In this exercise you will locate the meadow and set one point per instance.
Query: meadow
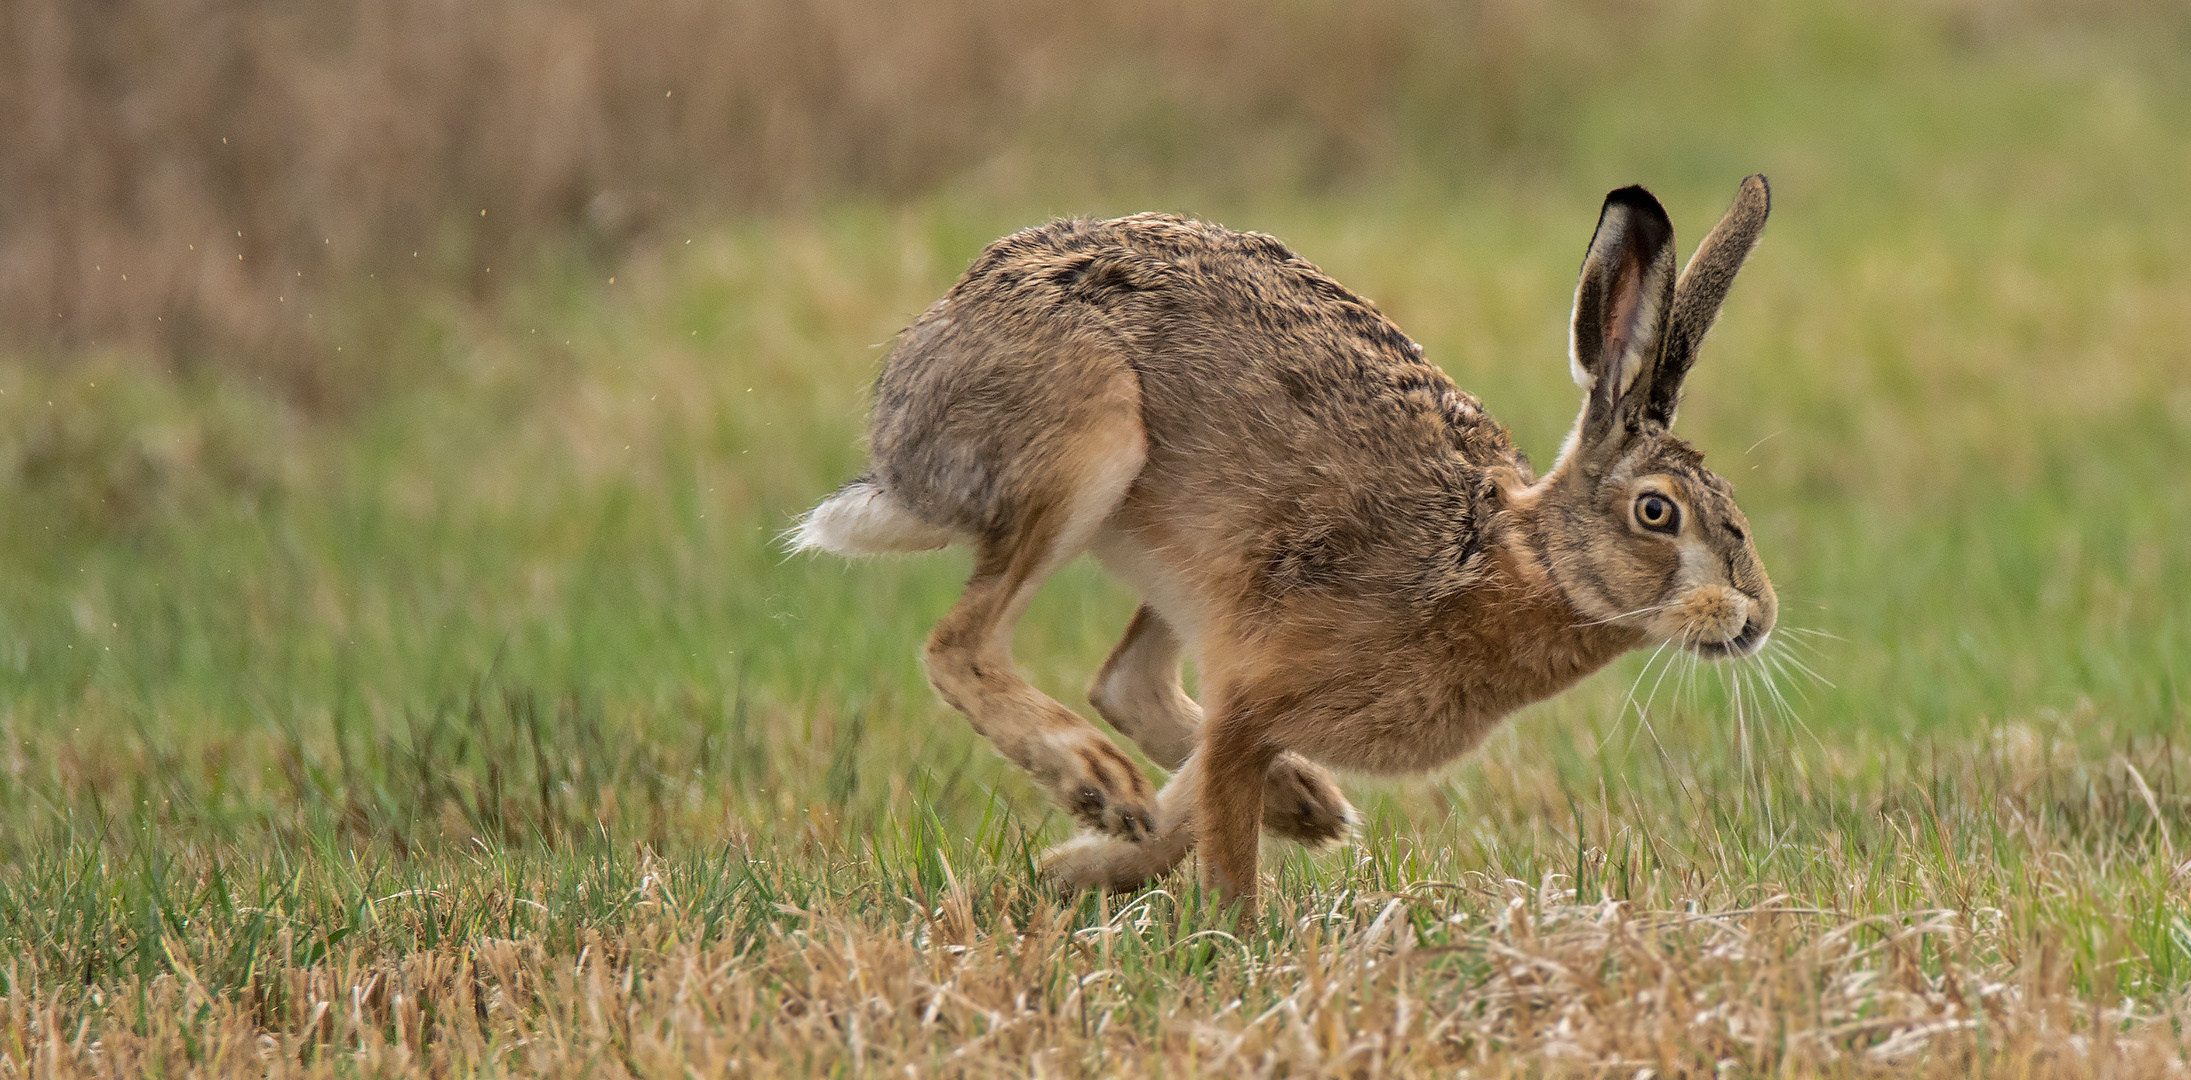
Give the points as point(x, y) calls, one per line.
point(444, 703)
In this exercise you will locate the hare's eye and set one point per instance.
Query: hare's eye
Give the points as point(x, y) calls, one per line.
point(1658, 513)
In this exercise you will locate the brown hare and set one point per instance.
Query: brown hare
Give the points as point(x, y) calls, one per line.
point(1365, 570)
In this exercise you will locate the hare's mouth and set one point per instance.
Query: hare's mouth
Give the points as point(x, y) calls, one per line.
point(1751, 639)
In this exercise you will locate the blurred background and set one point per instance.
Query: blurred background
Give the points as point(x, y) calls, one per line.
point(385, 385)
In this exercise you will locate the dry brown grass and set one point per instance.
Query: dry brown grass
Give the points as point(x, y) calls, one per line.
point(1546, 987)
point(1971, 915)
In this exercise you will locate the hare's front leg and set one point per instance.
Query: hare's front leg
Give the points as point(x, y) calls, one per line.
point(1139, 693)
point(1235, 755)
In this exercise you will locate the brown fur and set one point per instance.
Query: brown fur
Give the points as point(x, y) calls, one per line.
point(1366, 570)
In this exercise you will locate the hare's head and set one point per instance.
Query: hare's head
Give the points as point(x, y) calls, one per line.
point(1634, 528)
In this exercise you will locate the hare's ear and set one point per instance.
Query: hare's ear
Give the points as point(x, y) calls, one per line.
point(1621, 305)
point(1702, 288)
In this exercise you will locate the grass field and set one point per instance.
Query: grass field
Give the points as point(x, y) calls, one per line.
point(485, 727)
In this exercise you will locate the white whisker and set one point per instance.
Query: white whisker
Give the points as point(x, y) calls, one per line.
point(1805, 646)
point(1772, 658)
point(1652, 610)
point(1808, 631)
point(1808, 671)
point(1641, 675)
point(1670, 665)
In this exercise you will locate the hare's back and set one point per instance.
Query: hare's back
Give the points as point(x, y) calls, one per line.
point(1290, 424)
point(1230, 333)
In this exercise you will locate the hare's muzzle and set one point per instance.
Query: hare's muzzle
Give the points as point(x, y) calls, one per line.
point(1745, 642)
point(1719, 621)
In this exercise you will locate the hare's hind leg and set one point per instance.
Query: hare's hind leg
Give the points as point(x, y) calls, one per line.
point(1106, 862)
point(1139, 692)
point(969, 653)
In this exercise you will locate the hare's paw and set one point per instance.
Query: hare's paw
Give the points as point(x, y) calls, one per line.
point(1090, 861)
point(1102, 788)
point(1302, 802)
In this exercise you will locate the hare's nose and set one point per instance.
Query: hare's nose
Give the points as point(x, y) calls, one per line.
point(1748, 638)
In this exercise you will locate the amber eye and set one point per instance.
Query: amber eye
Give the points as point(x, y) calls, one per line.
point(1658, 513)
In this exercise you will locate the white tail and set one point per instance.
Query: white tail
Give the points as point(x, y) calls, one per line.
point(862, 518)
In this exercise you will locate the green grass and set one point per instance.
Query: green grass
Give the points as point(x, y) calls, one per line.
point(490, 729)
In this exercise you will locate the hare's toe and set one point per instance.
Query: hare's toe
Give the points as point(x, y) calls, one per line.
point(1104, 790)
point(1302, 802)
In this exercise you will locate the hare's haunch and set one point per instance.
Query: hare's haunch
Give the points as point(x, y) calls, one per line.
point(1366, 571)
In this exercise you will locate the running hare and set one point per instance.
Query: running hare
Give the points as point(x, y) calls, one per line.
point(1366, 571)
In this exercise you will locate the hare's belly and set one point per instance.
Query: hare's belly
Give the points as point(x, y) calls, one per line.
point(1126, 557)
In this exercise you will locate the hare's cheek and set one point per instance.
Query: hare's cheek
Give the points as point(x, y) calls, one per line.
point(1695, 569)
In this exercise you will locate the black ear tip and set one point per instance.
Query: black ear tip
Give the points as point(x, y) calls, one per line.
point(1634, 197)
point(1638, 209)
point(1763, 187)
